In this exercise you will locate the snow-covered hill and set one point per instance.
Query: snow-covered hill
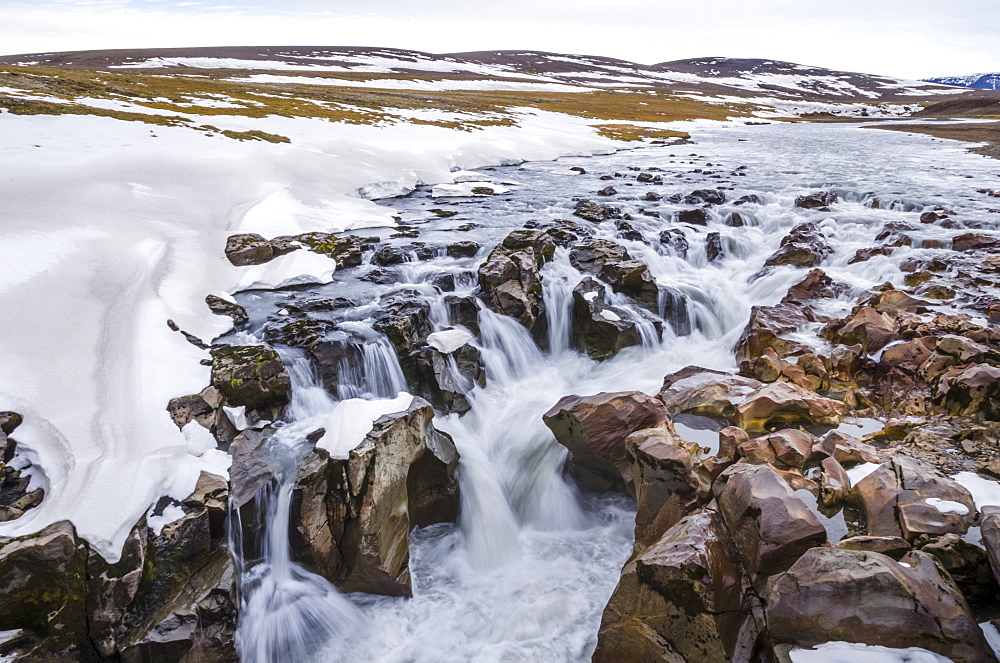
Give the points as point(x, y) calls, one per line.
point(978, 81)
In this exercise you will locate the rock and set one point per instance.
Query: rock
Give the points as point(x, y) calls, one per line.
point(666, 489)
point(463, 311)
point(735, 220)
point(248, 249)
point(706, 197)
point(765, 328)
point(862, 255)
point(816, 285)
point(713, 246)
point(894, 301)
point(607, 191)
point(590, 256)
point(704, 391)
point(600, 330)
point(791, 446)
point(769, 524)
point(465, 249)
point(594, 429)
point(804, 246)
point(970, 391)
point(191, 408)
point(835, 484)
point(43, 590)
point(10, 421)
point(675, 239)
point(781, 402)
point(905, 498)
point(833, 594)
point(680, 601)
point(404, 317)
point(445, 387)
point(250, 375)
point(510, 281)
point(894, 234)
point(972, 242)
point(816, 200)
point(695, 217)
point(849, 451)
point(966, 563)
point(591, 211)
point(351, 518)
point(892, 546)
point(220, 306)
point(346, 250)
point(990, 529)
point(632, 277)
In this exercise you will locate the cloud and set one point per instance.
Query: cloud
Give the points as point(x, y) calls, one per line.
point(915, 38)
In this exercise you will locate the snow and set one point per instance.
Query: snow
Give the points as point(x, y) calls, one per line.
point(992, 637)
point(590, 296)
point(466, 190)
point(611, 316)
point(859, 472)
point(415, 84)
point(351, 420)
point(295, 268)
point(850, 652)
point(111, 228)
point(237, 416)
point(984, 491)
point(172, 513)
point(947, 506)
point(449, 340)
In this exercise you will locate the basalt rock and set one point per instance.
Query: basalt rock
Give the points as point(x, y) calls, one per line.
point(600, 330)
point(594, 429)
point(666, 488)
point(784, 403)
point(351, 518)
point(832, 594)
point(705, 391)
point(591, 211)
point(804, 246)
point(510, 281)
point(251, 375)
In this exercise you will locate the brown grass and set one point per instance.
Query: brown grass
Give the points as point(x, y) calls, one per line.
point(973, 132)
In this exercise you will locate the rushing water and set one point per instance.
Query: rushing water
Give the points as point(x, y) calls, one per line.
point(525, 573)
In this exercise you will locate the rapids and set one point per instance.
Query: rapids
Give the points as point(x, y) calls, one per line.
point(525, 573)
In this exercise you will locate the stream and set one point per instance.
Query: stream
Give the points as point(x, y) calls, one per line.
point(525, 573)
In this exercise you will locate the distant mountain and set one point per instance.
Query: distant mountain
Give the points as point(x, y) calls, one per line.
point(978, 81)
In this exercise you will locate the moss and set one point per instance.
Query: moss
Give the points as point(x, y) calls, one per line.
point(631, 132)
point(255, 135)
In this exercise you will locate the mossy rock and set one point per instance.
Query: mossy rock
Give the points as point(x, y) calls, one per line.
point(250, 375)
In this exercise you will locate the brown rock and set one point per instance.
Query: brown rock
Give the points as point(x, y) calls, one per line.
point(666, 489)
point(706, 392)
point(969, 391)
point(833, 594)
point(781, 402)
point(834, 485)
point(967, 564)
point(892, 546)
point(868, 328)
point(594, 429)
point(764, 330)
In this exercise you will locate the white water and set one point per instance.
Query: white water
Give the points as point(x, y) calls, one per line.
point(525, 574)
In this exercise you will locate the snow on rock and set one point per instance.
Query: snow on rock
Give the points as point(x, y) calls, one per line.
point(947, 506)
point(171, 513)
point(466, 190)
point(610, 316)
point(859, 472)
point(111, 228)
point(851, 652)
point(295, 268)
point(984, 491)
point(449, 340)
point(351, 420)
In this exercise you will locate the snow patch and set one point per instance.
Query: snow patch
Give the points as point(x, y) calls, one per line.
point(351, 420)
point(449, 340)
point(947, 506)
point(171, 514)
point(984, 491)
point(852, 652)
point(295, 268)
point(859, 472)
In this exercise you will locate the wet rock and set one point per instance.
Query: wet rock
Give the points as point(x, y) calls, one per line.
point(835, 484)
point(380, 276)
point(849, 451)
point(607, 191)
point(990, 529)
point(43, 591)
point(735, 220)
point(404, 317)
point(591, 211)
point(680, 601)
point(906, 498)
point(966, 563)
point(248, 249)
point(627, 231)
point(705, 197)
point(674, 238)
point(220, 306)
point(804, 246)
point(868, 328)
point(594, 429)
point(347, 250)
point(705, 391)
point(816, 285)
point(465, 249)
point(713, 246)
point(446, 385)
point(784, 403)
point(970, 391)
point(832, 594)
point(816, 200)
point(862, 255)
point(250, 375)
point(590, 256)
point(893, 234)
point(768, 522)
point(463, 311)
point(510, 281)
point(632, 278)
point(695, 217)
point(600, 330)
point(351, 518)
point(891, 546)
point(765, 328)
point(969, 242)
point(666, 488)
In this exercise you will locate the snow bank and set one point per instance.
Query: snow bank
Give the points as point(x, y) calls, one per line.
point(351, 420)
point(850, 652)
point(111, 228)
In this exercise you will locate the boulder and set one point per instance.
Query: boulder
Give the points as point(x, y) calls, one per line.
point(680, 601)
point(966, 563)
point(970, 391)
point(969, 242)
point(765, 328)
point(675, 239)
point(833, 594)
point(351, 518)
point(816, 200)
point(594, 429)
point(990, 529)
point(835, 484)
point(220, 306)
point(347, 250)
point(906, 498)
point(446, 377)
point(892, 546)
point(591, 211)
point(666, 488)
point(248, 249)
point(769, 523)
point(705, 197)
point(713, 247)
point(784, 403)
point(509, 278)
point(804, 246)
point(705, 391)
point(590, 256)
point(250, 375)
point(816, 285)
point(695, 217)
point(600, 330)
point(867, 328)
point(464, 249)
point(632, 278)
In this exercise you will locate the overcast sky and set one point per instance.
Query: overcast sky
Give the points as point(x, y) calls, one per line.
point(906, 38)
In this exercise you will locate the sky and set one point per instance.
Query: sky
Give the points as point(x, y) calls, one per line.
point(904, 38)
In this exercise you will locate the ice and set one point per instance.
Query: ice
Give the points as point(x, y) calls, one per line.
point(449, 340)
point(850, 652)
point(351, 420)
